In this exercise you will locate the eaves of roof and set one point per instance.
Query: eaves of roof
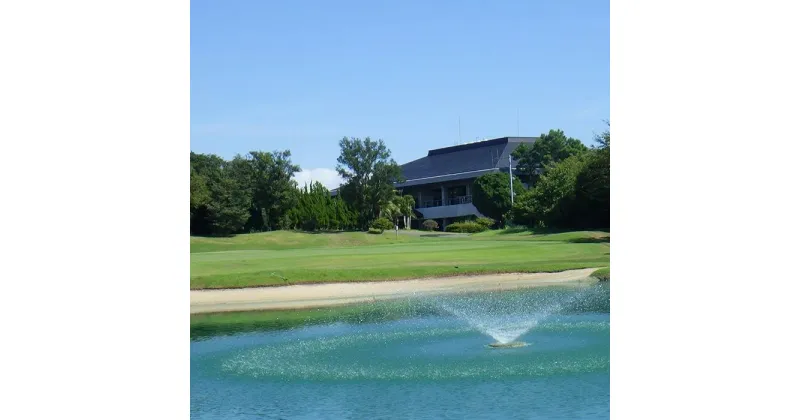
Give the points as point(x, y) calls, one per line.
point(445, 178)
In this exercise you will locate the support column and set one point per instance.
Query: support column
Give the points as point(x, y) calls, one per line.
point(469, 192)
point(444, 195)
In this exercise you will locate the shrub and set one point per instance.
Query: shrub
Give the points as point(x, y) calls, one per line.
point(382, 224)
point(375, 231)
point(466, 227)
point(485, 221)
point(430, 225)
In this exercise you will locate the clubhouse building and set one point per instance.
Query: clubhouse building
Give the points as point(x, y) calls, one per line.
point(442, 182)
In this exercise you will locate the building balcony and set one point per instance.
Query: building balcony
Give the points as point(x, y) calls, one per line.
point(452, 201)
point(454, 207)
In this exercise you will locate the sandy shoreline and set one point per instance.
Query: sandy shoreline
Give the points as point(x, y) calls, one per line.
point(330, 294)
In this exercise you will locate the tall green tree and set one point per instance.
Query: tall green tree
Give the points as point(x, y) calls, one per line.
point(548, 149)
point(257, 187)
point(603, 140)
point(550, 203)
point(593, 186)
point(207, 173)
point(369, 174)
point(491, 194)
point(391, 210)
point(345, 217)
point(268, 179)
point(274, 187)
point(574, 193)
point(229, 206)
point(317, 210)
point(198, 191)
point(242, 174)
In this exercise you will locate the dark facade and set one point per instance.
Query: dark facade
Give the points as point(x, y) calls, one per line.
point(441, 182)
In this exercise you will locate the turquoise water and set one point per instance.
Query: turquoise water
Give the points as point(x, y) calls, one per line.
point(434, 362)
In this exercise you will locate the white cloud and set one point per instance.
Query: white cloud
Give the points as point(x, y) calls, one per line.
point(327, 177)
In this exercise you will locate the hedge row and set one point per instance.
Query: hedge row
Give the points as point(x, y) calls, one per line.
point(466, 227)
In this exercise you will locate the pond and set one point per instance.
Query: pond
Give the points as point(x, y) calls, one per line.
point(434, 360)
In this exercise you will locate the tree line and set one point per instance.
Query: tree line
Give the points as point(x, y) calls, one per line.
point(256, 192)
point(568, 185)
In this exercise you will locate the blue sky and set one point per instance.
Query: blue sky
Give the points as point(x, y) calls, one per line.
point(300, 75)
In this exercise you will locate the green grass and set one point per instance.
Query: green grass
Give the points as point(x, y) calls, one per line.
point(603, 274)
point(525, 234)
point(280, 240)
point(203, 325)
point(282, 257)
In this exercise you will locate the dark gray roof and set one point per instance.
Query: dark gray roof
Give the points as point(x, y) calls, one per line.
point(463, 161)
point(447, 177)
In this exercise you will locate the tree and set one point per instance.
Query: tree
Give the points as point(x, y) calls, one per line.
point(207, 172)
point(603, 140)
point(492, 194)
point(228, 206)
point(242, 173)
point(593, 186)
point(317, 210)
point(274, 189)
point(551, 202)
point(407, 204)
point(548, 149)
point(399, 206)
point(260, 185)
point(574, 193)
point(369, 174)
point(198, 191)
point(344, 215)
point(391, 210)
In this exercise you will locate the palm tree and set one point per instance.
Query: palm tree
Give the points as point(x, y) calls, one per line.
point(406, 204)
point(391, 209)
point(399, 206)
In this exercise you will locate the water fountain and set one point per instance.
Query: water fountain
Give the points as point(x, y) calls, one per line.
point(510, 345)
point(507, 315)
point(423, 351)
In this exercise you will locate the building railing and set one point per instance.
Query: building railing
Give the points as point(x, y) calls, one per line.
point(464, 199)
point(452, 201)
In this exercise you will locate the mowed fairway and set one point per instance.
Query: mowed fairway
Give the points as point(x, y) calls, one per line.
point(279, 258)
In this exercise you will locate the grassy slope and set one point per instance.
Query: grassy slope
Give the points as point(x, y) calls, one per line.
point(269, 258)
point(281, 240)
point(603, 274)
point(236, 322)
